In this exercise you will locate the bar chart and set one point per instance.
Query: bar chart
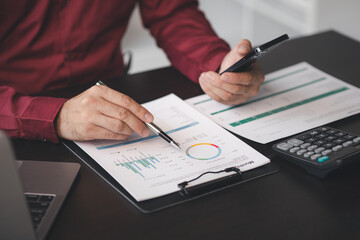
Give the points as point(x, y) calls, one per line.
point(138, 164)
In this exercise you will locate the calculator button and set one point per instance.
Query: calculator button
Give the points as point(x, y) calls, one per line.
point(349, 137)
point(315, 156)
point(284, 146)
point(332, 131)
point(305, 145)
point(308, 154)
point(319, 150)
point(310, 140)
point(322, 135)
point(294, 149)
point(323, 158)
point(340, 134)
point(329, 145)
point(337, 148)
point(313, 133)
point(339, 141)
point(330, 138)
point(326, 152)
point(320, 142)
point(303, 137)
point(312, 147)
point(295, 142)
point(301, 152)
point(356, 140)
point(348, 143)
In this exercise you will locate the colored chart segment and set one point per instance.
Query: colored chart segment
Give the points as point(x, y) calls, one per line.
point(139, 165)
point(203, 151)
point(122, 143)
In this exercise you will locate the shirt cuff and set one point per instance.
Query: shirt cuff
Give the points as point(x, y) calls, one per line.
point(37, 121)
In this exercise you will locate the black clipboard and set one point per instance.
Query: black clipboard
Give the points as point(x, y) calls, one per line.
point(156, 204)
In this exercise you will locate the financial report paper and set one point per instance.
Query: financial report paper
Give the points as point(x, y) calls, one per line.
point(149, 167)
point(291, 100)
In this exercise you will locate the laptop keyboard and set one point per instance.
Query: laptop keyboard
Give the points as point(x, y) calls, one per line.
point(38, 205)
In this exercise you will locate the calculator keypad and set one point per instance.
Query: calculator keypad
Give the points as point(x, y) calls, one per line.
point(320, 145)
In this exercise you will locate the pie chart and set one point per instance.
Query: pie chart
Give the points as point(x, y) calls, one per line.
point(203, 151)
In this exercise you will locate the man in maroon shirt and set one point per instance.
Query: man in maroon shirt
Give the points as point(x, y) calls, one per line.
point(46, 45)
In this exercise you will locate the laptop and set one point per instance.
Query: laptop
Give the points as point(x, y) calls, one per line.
point(31, 193)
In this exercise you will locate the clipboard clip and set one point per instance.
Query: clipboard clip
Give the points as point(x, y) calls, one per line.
point(211, 185)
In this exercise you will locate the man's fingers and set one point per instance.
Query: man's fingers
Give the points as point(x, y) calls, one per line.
point(118, 119)
point(97, 132)
point(112, 124)
point(243, 47)
point(241, 78)
point(121, 107)
point(101, 113)
point(127, 102)
point(253, 76)
point(232, 86)
point(221, 95)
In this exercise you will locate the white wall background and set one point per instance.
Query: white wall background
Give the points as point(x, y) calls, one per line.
point(256, 20)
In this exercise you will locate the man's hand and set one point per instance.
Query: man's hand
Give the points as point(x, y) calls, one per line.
point(233, 88)
point(101, 113)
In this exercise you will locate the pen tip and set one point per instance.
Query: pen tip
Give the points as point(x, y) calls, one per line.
point(175, 145)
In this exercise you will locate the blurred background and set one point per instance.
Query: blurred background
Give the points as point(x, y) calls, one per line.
point(257, 20)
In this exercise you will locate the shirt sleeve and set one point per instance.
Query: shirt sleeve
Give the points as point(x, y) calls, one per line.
point(187, 38)
point(28, 117)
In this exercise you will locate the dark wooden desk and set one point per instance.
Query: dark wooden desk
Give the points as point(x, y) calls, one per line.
point(287, 205)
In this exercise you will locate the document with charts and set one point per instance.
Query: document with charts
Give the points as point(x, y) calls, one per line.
point(150, 167)
point(291, 100)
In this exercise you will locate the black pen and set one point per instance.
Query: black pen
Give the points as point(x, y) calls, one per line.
point(153, 127)
point(162, 134)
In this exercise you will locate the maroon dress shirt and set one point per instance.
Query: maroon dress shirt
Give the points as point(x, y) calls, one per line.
point(52, 44)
